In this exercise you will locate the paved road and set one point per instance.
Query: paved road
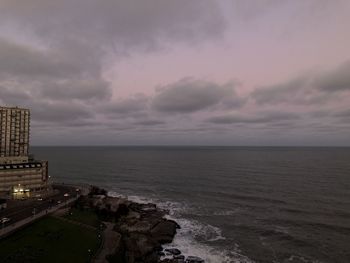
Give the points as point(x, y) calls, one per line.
point(18, 210)
point(28, 220)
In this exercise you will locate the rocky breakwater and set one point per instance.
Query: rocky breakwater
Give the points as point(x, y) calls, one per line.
point(142, 229)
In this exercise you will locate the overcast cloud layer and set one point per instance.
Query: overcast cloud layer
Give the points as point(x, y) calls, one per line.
point(178, 72)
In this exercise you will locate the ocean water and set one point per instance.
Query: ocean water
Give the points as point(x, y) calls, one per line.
point(234, 204)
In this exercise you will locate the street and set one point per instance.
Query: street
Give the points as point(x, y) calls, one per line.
point(20, 209)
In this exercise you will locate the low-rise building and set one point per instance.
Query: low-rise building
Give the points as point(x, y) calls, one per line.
point(23, 177)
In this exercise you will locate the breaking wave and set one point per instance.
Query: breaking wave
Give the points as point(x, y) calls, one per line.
point(194, 238)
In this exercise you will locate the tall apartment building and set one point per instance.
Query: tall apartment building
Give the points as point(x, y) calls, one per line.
point(19, 174)
point(14, 135)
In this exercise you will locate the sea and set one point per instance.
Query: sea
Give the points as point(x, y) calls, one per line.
point(234, 204)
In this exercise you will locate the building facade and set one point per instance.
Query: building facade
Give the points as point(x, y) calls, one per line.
point(19, 174)
point(14, 135)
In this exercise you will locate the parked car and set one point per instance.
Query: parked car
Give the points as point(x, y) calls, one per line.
point(3, 204)
point(4, 220)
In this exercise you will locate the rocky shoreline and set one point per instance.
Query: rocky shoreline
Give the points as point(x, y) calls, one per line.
point(142, 229)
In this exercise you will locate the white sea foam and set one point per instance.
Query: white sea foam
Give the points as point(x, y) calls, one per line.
point(198, 230)
point(114, 194)
point(139, 199)
point(187, 237)
point(194, 237)
point(227, 212)
point(281, 229)
point(293, 258)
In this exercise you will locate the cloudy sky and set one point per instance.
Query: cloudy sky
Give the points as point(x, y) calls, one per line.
point(179, 72)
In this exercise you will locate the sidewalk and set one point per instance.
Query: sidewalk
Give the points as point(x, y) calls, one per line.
point(110, 242)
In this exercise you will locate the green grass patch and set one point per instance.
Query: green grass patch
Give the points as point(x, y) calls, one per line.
point(49, 240)
point(87, 217)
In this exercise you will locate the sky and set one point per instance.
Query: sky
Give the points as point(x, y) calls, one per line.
point(179, 72)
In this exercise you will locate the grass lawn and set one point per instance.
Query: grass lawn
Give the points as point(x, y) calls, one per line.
point(84, 216)
point(49, 240)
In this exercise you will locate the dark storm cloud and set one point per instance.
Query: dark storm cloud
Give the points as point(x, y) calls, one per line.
point(345, 113)
point(82, 89)
point(281, 92)
point(77, 33)
point(190, 95)
point(261, 118)
point(10, 96)
point(50, 75)
point(150, 122)
point(43, 110)
point(313, 88)
point(60, 112)
point(336, 80)
point(21, 60)
point(136, 103)
point(54, 53)
point(342, 117)
point(124, 24)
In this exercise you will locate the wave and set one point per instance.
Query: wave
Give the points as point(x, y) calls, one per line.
point(297, 258)
point(204, 232)
point(308, 223)
point(227, 212)
point(187, 240)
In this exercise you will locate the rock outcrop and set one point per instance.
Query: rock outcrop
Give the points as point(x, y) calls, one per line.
point(142, 227)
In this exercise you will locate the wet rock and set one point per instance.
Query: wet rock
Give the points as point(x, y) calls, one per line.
point(133, 215)
point(192, 259)
point(139, 247)
point(173, 251)
point(94, 190)
point(179, 257)
point(164, 231)
point(168, 260)
point(172, 260)
point(142, 227)
point(143, 207)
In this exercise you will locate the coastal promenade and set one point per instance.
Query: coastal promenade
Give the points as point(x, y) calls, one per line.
point(110, 240)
